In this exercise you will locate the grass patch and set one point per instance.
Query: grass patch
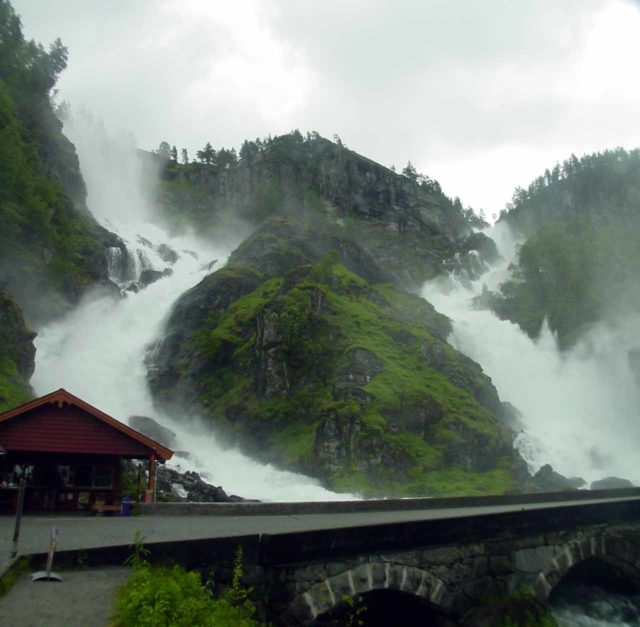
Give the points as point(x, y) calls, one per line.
point(8, 580)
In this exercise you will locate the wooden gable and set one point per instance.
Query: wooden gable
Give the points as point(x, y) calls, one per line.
point(62, 423)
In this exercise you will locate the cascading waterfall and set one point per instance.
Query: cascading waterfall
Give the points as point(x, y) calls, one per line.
point(579, 409)
point(97, 351)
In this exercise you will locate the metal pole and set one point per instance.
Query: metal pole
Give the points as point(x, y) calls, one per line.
point(139, 486)
point(19, 507)
point(155, 480)
point(52, 550)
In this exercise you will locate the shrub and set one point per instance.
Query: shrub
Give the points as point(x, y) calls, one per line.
point(159, 596)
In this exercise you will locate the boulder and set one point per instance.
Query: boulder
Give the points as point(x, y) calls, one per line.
point(148, 276)
point(167, 254)
point(209, 266)
point(548, 480)
point(153, 429)
point(611, 483)
point(189, 486)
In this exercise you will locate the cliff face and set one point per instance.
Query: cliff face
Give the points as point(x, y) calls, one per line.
point(51, 249)
point(305, 350)
point(408, 228)
point(17, 355)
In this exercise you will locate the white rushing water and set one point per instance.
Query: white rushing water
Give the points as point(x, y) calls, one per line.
point(579, 409)
point(97, 351)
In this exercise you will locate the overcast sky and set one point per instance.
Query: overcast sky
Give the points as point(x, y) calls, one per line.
point(482, 95)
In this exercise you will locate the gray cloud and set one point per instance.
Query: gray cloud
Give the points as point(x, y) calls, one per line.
point(482, 94)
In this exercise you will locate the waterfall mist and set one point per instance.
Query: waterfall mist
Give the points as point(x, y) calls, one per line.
point(579, 409)
point(97, 351)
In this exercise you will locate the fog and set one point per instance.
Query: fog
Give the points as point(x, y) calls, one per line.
point(481, 95)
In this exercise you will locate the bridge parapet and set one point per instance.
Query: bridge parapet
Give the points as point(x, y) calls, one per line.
point(250, 508)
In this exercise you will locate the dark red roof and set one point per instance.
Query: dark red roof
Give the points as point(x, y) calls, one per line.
point(63, 423)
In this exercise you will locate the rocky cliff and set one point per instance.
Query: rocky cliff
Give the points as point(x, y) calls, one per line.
point(51, 248)
point(306, 351)
point(408, 226)
point(17, 355)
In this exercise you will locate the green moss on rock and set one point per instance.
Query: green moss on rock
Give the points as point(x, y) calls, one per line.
point(320, 371)
point(17, 355)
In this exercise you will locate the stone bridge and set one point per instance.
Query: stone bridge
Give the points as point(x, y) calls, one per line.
point(451, 579)
point(443, 556)
point(449, 565)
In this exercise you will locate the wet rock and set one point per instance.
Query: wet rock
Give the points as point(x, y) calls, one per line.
point(153, 429)
point(364, 365)
point(415, 418)
point(149, 276)
point(548, 480)
point(611, 483)
point(342, 390)
point(335, 440)
point(167, 254)
point(189, 486)
point(209, 266)
point(16, 339)
point(483, 245)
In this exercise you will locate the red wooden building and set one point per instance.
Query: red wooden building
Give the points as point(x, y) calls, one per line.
point(70, 454)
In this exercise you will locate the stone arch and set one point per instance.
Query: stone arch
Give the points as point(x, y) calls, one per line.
point(324, 596)
point(613, 549)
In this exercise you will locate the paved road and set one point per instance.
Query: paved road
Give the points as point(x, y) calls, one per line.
point(84, 598)
point(76, 532)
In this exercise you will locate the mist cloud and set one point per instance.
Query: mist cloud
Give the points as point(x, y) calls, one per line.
point(482, 95)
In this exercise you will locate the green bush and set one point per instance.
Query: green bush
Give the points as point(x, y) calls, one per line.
point(159, 596)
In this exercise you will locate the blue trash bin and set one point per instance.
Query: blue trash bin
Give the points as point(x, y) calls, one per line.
point(126, 506)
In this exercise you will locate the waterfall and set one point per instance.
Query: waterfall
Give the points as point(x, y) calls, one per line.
point(579, 408)
point(97, 351)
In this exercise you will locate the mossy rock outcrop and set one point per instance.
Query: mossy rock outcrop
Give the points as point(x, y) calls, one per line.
point(305, 363)
point(17, 355)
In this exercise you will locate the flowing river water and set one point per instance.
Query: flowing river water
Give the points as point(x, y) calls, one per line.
point(578, 410)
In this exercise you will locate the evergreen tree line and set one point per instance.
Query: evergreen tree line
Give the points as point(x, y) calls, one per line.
point(580, 263)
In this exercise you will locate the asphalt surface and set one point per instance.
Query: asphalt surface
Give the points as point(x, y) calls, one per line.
point(84, 598)
point(81, 532)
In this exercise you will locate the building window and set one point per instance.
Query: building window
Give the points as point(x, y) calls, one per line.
point(66, 475)
point(102, 476)
point(83, 476)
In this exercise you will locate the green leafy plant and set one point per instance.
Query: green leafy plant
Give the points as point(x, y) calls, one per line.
point(137, 559)
point(357, 607)
point(160, 596)
point(11, 576)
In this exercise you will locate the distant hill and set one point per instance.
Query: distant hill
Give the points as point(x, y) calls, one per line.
point(580, 262)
